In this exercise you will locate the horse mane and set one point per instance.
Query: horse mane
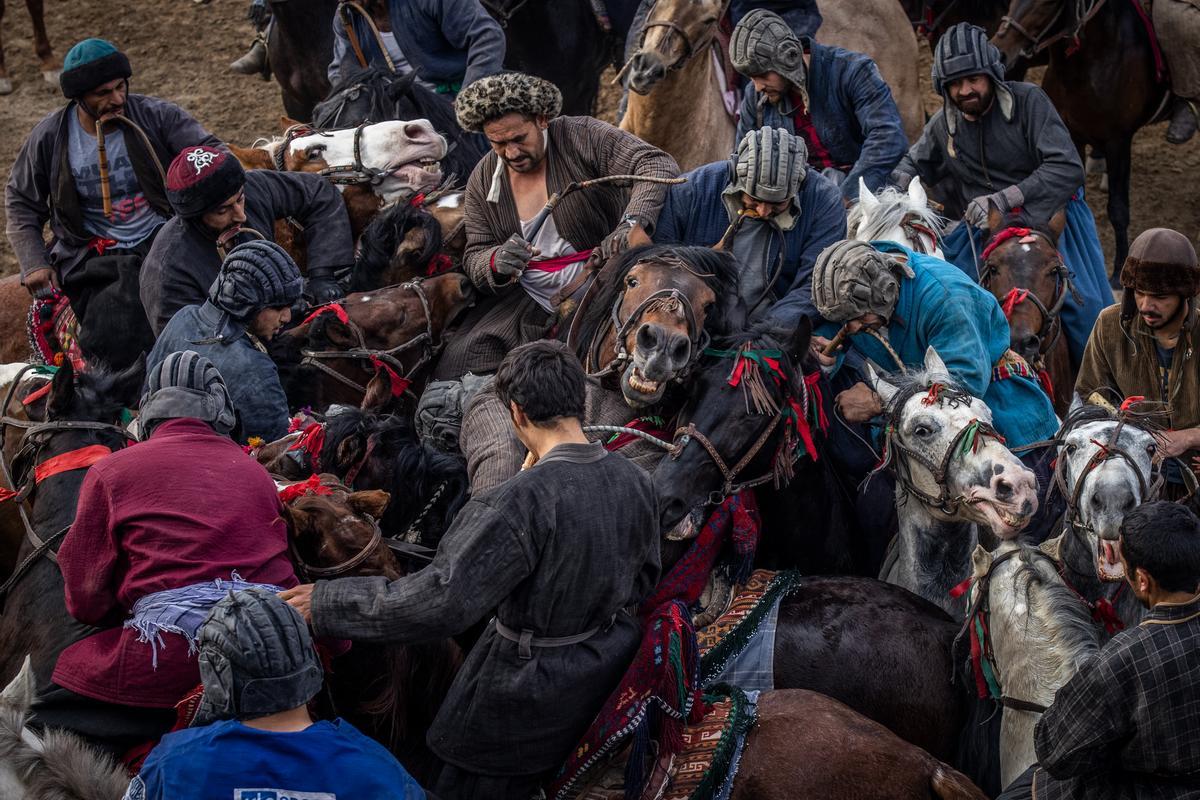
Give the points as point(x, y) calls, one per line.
point(383, 235)
point(915, 381)
point(718, 270)
point(1062, 613)
point(64, 768)
point(894, 207)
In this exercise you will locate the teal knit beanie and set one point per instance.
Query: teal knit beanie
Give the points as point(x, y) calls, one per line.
point(89, 64)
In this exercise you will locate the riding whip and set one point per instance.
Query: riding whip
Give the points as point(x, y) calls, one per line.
point(343, 10)
point(102, 153)
point(835, 344)
point(535, 225)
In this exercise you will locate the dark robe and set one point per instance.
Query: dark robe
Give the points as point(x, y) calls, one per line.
point(559, 549)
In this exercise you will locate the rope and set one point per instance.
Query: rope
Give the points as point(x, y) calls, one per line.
point(649, 437)
point(413, 535)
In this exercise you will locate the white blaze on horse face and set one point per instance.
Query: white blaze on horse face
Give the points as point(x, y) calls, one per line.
point(407, 152)
point(1110, 489)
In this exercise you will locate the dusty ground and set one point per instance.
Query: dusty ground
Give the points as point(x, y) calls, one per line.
point(180, 50)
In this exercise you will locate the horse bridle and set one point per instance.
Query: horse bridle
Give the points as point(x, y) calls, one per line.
point(697, 336)
point(361, 352)
point(690, 48)
point(1038, 42)
point(729, 475)
point(355, 174)
point(914, 229)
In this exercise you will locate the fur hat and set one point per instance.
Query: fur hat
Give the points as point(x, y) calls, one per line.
point(762, 42)
point(852, 278)
point(187, 385)
point(1160, 261)
point(89, 64)
point(200, 178)
point(509, 92)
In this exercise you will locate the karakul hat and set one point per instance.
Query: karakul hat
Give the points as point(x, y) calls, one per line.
point(494, 96)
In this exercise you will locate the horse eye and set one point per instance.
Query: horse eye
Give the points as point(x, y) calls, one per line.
point(1071, 448)
point(631, 282)
point(921, 431)
point(314, 150)
point(1151, 449)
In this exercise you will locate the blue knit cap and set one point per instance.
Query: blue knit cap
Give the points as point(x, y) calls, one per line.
point(91, 63)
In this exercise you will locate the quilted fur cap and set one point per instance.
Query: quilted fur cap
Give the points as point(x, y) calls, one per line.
point(496, 95)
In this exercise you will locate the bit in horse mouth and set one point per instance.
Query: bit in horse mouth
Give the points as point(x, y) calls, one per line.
point(1108, 560)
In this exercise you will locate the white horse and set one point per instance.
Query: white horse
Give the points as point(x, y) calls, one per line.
point(895, 216)
point(953, 474)
point(1041, 635)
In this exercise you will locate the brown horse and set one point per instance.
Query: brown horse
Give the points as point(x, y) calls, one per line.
point(14, 310)
point(50, 65)
point(391, 333)
point(1022, 268)
point(1103, 78)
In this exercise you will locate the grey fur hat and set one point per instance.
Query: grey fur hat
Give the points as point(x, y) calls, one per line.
point(965, 50)
point(762, 42)
point(852, 278)
point(256, 658)
point(187, 385)
point(494, 96)
point(255, 275)
point(770, 165)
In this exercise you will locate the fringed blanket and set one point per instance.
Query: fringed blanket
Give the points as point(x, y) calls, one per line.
point(707, 764)
point(53, 332)
point(739, 647)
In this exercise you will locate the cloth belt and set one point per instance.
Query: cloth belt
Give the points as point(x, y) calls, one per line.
point(526, 640)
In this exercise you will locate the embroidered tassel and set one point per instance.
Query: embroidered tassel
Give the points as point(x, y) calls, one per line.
point(398, 383)
point(311, 442)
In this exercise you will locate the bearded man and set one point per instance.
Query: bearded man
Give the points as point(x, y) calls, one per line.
point(832, 98)
point(87, 170)
point(1003, 147)
point(219, 205)
point(536, 153)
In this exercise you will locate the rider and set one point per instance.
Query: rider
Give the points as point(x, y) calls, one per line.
point(834, 99)
point(1146, 345)
point(450, 44)
point(60, 176)
point(1125, 724)
point(556, 552)
point(157, 526)
point(536, 153)
point(1002, 145)
point(253, 727)
point(1177, 26)
point(218, 205)
point(248, 304)
point(780, 213)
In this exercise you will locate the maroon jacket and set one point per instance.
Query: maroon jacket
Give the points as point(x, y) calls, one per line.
point(184, 507)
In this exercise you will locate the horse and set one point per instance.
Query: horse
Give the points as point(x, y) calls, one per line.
point(300, 48)
point(403, 243)
point(568, 44)
point(1105, 79)
point(953, 475)
point(895, 216)
point(391, 333)
point(82, 410)
point(50, 65)
point(1105, 468)
point(1021, 266)
point(1040, 635)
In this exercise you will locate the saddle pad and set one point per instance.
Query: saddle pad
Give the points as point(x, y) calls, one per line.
point(705, 765)
point(731, 635)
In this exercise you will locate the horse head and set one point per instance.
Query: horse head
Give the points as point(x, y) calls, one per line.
point(895, 216)
point(1105, 469)
point(1027, 26)
point(400, 244)
point(335, 531)
point(740, 425)
point(947, 456)
point(675, 31)
point(1021, 266)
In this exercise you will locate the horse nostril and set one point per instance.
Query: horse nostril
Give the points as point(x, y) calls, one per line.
point(1003, 488)
point(414, 131)
point(1030, 344)
point(647, 338)
point(681, 350)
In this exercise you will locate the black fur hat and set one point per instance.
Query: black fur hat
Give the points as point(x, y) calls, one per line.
point(89, 64)
point(1160, 261)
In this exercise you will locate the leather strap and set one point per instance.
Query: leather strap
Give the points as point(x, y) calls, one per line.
point(526, 640)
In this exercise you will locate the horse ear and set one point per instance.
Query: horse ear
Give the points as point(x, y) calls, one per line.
point(286, 122)
point(916, 193)
point(372, 502)
point(1053, 547)
point(995, 220)
point(62, 391)
point(981, 561)
point(1057, 223)
point(128, 382)
point(18, 695)
point(882, 388)
point(299, 522)
point(934, 364)
point(865, 196)
point(378, 396)
point(350, 451)
point(335, 331)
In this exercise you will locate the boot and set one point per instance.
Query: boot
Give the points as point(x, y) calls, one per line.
point(1183, 122)
point(255, 60)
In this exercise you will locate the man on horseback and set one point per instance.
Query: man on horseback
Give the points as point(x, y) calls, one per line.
point(253, 727)
point(530, 265)
point(92, 171)
point(219, 205)
point(1002, 145)
point(1146, 345)
point(558, 552)
point(162, 532)
point(450, 44)
point(1125, 724)
point(769, 208)
point(248, 304)
point(832, 98)
point(1177, 26)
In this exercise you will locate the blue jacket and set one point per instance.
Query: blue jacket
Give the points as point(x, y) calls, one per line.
point(249, 373)
point(695, 214)
point(852, 110)
point(450, 43)
point(942, 307)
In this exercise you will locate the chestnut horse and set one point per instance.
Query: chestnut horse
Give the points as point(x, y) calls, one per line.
point(1105, 77)
point(50, 65)
point(1022, 268)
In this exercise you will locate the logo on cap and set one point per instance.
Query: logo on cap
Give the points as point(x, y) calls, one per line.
point(201, 159)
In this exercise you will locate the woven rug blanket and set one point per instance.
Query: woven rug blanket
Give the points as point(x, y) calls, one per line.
point(53, 332)
point(739, 647)
point(707, 764)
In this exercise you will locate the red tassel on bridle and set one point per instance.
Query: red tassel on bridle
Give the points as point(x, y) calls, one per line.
point(335, 308)
point(1013, 299)
point(311, 442)
point(311, 486)
point(399, 384)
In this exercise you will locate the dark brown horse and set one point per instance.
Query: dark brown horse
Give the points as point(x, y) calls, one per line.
point(300, 49)
point(1026, 274)
point(1103, 78)
point(50, 65)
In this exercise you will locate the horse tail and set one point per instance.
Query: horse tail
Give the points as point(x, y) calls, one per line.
point(950, 784)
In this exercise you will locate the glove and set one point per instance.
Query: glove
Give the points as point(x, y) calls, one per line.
point(512, 257)
point(321, 288)
point(1004, 201)
point(41, 283)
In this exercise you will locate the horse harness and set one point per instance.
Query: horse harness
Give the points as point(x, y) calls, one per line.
point(690, 48)
point(355, 174)
point(1084, 11)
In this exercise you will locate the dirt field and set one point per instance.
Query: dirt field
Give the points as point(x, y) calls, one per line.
point(180, 50)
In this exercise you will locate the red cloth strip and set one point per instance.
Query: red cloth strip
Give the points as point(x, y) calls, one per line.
point(559, 262)
point(1000, 238)
point(36, 394)
point(335, 308)
point(397, 382)
point(1128, 402)
point(100, 244)
point(438, 264)
point(82, 458)
point(311, 442)
point(311, 486)
point(1013, 299)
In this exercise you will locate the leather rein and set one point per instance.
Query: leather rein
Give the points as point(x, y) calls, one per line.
point(1039, 41)
point(690, 48)
point(355, 174)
